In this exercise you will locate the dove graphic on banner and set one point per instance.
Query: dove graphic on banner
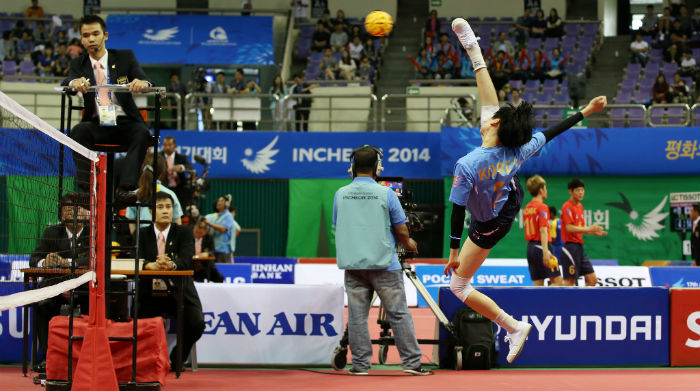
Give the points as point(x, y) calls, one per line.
point(161, 35)
point(263, 158)
point(647, 228)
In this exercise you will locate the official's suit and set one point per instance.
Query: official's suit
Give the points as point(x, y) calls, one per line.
point(55, 240)
point(695, 244)
point(130, 130)
point(207, 269)
point(183, 191)
point(180, 246)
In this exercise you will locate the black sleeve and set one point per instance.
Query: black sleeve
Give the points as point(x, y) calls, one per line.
point(183, 258)
point(43, 248)
point(457, 225)
point(562, 126)
point(73, 71)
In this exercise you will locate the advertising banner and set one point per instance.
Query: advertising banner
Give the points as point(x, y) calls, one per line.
point(685, 327)
point(194, 39)
point(306, 155)
point(581, 326)
point(594, 151)
point(634, 210)
point(270, 324)
point(11, 322)
point(620, 276)
point(675, 277)
point(270, 270)
point(236, 273)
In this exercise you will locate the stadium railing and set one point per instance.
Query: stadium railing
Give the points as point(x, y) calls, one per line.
point(669, 114)
point(218, 111)
point(336, 112)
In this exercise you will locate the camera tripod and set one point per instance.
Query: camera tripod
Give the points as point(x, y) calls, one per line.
point(339, 358)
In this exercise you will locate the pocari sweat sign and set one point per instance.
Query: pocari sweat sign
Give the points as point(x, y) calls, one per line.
point(308, 155)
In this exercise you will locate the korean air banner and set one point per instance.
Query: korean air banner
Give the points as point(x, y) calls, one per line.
point(615, 151)
point(307, 155)
point(194, 39)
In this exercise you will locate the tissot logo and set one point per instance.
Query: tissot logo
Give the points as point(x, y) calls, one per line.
point(244, 323)
point(597, 328)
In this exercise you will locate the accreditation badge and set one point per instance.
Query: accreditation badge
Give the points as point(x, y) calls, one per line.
point(108, 115)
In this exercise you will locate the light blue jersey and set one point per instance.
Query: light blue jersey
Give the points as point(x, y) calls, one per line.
point(482, 178)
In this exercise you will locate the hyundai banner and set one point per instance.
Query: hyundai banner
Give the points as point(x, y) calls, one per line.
point(594, 151)
point(307, 155)
point(194, 39)
point(581, 326)
point(270, 324)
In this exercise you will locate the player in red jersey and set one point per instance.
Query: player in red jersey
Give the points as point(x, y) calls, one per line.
point(573, 260)
point(540, 259)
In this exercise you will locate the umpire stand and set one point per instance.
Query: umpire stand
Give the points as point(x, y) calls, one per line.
point(339, 358)
point(94, 375)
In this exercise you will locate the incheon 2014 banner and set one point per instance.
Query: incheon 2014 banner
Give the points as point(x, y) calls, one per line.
point(194, 39)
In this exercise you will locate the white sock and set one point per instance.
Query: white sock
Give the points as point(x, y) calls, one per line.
point(507, 322)
point(477, 58)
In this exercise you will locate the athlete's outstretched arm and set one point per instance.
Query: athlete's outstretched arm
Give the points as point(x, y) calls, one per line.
point(487, 92)
point(596, 104)
point(465, 34)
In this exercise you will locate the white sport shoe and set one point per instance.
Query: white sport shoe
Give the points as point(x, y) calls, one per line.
point(517, 340)
point(464, 33)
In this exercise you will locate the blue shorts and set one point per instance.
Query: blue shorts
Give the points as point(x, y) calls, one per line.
point(574, 262)
point(486, 234)
point(538, 271)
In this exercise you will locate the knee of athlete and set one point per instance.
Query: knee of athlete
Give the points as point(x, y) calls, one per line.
point(461, 287)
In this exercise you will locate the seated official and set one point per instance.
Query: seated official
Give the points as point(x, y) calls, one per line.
point(166, 246)
point(108, 118)
point(203, 248)
point(56, 250)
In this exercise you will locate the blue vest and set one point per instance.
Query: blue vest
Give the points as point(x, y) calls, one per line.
point(363, 238)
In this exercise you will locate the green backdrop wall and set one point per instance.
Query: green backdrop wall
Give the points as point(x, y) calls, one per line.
point(631, 240)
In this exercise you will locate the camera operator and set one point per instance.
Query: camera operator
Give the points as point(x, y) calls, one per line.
point(178, 165)
point(364, 214)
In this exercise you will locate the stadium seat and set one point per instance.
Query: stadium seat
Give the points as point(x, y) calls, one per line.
point(534, 43)
point(26, 68)
point(590, 29)
point(675, 115)
point(572, 29)
point(656, 116)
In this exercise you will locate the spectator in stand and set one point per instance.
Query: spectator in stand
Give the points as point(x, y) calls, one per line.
point(688, 64)
point(424, 64)
point(219, 86)
point(356, 49)
point(515, 99)
point(74, 33)
point(372, 52)
point(465, 69)
point(501, 69)
point(678, 35)
point(679, 90)
point(303, 104)
point(502, 95)
point(25, 47)
point(280, 90)
point(539, 25)
point(19, 30)
point(523, 25)
point(650, 22)
point(465, 109)
point(347, 66)
point(34, 11)
point(446, 47)
point(74, 49)
point(340, 20)
point(40, 34)
point(6, 44)
point(675, 6)
point(503, 44)
point(558, 64)
point(555, 28)
point(326, 21)
point(247, 5)
point(665, 22)
point(522, 64)
point(429, 48)
point(300, 10)
point(329, 65)
point(660, 90)
point(443, 66)
point(320, 39)
point(540, 66)
point(11, 56)
point(673, 54)
point(175, 86)
point(639, 50)
point(696, 19)
point(339, 38)
point(357, 31)
point(61, 38)
point(432, 25)
point(46, 62)
point(364, 71)
point(686, 21)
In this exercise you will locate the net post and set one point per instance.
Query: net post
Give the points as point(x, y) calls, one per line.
point(95, 370)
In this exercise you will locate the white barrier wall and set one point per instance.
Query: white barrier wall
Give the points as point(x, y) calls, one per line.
point(353, 114)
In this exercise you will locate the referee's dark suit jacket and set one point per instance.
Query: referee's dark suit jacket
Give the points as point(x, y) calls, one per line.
point(179, 245)
point(695, 245)
point(130, 131)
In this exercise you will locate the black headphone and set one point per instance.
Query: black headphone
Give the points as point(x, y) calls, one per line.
point(377, 169)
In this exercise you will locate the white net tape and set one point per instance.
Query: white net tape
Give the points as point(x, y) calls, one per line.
point(35, 295)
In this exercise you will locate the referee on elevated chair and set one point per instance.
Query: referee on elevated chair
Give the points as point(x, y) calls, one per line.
point(368, 220)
